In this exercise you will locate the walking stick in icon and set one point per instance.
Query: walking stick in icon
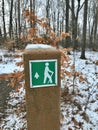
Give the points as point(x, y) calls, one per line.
point(50, 76)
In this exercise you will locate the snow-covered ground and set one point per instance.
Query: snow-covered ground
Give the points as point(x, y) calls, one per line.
point(79, 109)
point(8, 64)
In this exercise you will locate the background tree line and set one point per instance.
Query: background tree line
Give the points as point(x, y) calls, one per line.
point(79, 17)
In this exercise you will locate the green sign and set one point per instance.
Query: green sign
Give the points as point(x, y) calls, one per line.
point(43, 73)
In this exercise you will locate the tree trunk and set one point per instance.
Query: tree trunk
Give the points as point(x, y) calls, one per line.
point(91, 35)
point(67, 15)
point(54, 19)
point(34, 6)
point(3, 17)
point(47, 13)
point(67, 40)
point(0, 32)
point(19, 27)
point(10, 21)
point(74, 26)
point(58, 17)
point(16, 30)
point(95, 28)
point(34, 23)
point(75, 22)
point(31, 25)
point(84, 30)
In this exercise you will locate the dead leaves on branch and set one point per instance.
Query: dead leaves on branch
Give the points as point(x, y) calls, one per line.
point(30, 16)
point(64, 57)
point(42, 23)
point(64, 35)
point(15, 78)
point(66, 63)
point(17, 56)
point(20, 63)
point(26, 12)
point(4, 76)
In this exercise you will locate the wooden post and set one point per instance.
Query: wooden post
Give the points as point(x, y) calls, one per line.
point(42, 82)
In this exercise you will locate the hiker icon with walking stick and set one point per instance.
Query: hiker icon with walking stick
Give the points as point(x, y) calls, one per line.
point(47, 74)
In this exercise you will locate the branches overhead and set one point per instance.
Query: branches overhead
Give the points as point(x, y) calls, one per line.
point(49, 37)
point(79, 7)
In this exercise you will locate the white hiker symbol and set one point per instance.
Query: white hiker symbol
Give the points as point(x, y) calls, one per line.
point(47, 74)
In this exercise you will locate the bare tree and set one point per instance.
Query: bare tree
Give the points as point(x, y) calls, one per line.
point(48, 10)
point(19, 25)
point(84, 30)
point(34, 6)
point(54, 19)
point(32, 10)
point(16, 30)
point(67, 15)
point(10, 21)
point(0, 32)
point(3, 17)
point(95, 28)
point(67, 40)
point(92, 23)
point(34, 23)
point(58, 15)
point(31, 4)
point(75, 15)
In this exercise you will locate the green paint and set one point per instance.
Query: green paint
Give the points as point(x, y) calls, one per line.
point(43, 73)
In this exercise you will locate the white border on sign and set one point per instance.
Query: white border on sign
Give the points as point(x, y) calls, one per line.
point(46, 85)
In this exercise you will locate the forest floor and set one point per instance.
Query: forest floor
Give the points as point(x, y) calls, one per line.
point(4, 97)
point(79, 108)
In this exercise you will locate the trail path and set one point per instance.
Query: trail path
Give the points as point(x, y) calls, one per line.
point(4, 95)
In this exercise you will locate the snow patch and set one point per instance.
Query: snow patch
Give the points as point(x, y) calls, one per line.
point(36, 46)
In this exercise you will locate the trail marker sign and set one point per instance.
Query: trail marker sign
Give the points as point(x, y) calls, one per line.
point(42, 67)
point(43, 73)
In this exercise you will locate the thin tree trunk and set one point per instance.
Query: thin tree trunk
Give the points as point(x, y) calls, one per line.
point(47, 9)
point(54, 19)
point(3, 17)
point(91, 35)
point(34, 23)
point(75, 22)
point(31, 25)
point(67, 15)
point(47, 13)
point(10, 22)
point(16, 30)
point(34, 6)
point(67, 40)
point(95, 28)
point(0, 32)
point(58, 17)
point(19, 27)
point(84, 30)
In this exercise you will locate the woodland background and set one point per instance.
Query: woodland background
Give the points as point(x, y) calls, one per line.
point(78, 18)
point(71, 26)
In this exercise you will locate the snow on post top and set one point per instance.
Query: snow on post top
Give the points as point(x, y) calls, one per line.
point(38, 46)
